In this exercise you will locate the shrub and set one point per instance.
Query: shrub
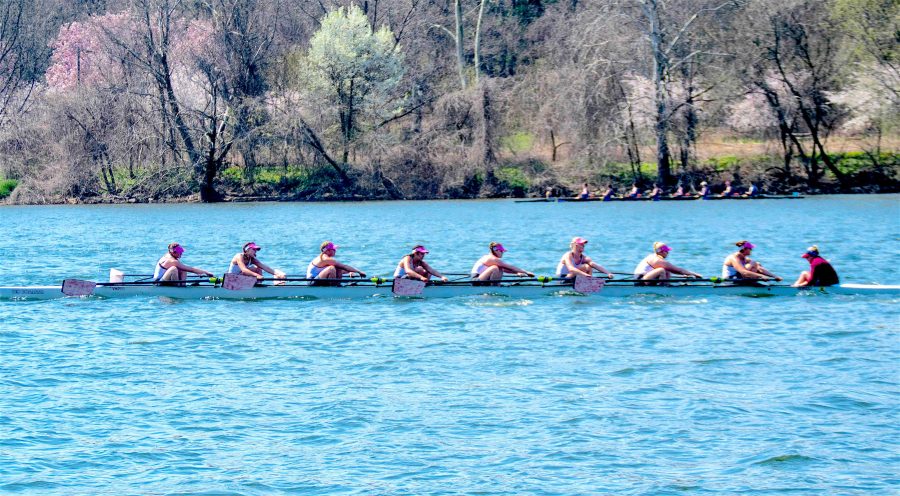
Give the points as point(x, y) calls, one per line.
point(7, 186)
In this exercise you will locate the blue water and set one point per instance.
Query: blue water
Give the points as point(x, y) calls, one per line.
point(483, 395)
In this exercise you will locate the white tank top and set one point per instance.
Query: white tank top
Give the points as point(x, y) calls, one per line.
point(159, 271)
point(644, 266)
point(479, 266)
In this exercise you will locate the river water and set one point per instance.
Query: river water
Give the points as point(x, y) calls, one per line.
point(478, 395)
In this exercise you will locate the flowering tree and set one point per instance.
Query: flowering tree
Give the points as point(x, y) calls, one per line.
point(355, 70)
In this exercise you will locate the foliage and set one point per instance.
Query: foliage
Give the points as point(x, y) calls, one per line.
point(7, 186)
point(355, 70)
point(517, 142)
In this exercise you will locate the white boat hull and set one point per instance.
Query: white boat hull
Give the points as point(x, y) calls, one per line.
point(513, 290)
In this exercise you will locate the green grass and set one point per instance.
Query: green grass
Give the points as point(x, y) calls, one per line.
point(7, 186)
point(517, 142)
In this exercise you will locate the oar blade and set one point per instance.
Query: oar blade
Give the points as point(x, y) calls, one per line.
point(407, 287)
point(238, 282)
point(588, 284)
point(78, 287)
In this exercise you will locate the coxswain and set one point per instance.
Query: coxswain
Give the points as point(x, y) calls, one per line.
point(655, 267)
point(325, 270)
point(170, 269)
point(576, 263)
point(247, 264)
point(820, 273)
point(414, 266)
point(491, 268)
point(738, 265)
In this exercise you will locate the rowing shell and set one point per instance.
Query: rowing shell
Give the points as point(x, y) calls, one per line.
point(509, 289)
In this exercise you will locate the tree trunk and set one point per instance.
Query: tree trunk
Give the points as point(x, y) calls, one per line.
point(660, 69)
point(460, 55)
point(478, 41)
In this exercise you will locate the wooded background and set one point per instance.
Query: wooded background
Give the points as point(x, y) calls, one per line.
point(307, 99)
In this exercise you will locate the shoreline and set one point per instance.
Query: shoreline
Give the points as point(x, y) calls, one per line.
point(194, 199)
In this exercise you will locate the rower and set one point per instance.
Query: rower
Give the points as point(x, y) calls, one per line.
point(704, 190)
point(634, 193)
point(655, 267)
point(491, 268)
point(576, 263)
point(326, 270)
point(585, 192)
point(753, 191)
point(728, 190)
point(609, 193)
point(656, 193)
point(247, 264)
point(549, 193)
point(679, 191)
point(738, 265)
point(414, 266)
point(170, 269)
point(821, 273)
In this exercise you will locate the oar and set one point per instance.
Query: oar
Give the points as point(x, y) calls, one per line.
point(81, 287)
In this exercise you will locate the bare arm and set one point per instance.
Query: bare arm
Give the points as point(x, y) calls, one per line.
point(600, 268)
point(432, 271)
point(239, 260)
point(188, 268)
point(742, 270)
point(411, 271)
point(512, 269)
point(676, 269)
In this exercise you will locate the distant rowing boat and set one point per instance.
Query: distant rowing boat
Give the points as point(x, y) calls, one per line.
point(664, 198)
point(514, 289)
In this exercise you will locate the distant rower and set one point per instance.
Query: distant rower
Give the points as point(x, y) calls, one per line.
point(704, 190)
point(635, 192)
point(170, 269)
point(739, 266)
point(729, 191)
point(609, 193)
point(491, 268)
point(821, 273)
point(656, 267)
point(576, 263)
point(414, 266)
point(585, 192)
point(246, 263)
point(324, 266)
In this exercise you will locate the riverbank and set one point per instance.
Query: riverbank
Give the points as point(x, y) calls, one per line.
point(855, 172)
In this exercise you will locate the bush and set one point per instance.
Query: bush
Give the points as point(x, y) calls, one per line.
point(7, 186)
point(514, 179)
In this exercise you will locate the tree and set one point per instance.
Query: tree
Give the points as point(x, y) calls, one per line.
point(354, 70)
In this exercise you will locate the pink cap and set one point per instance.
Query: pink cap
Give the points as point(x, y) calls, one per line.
point(579, 241)
point(420, 249)
point(748, 245)
point(330, 246)
point(497, 247)
point(178, 249)
point(252, 246)
point(663, 248)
